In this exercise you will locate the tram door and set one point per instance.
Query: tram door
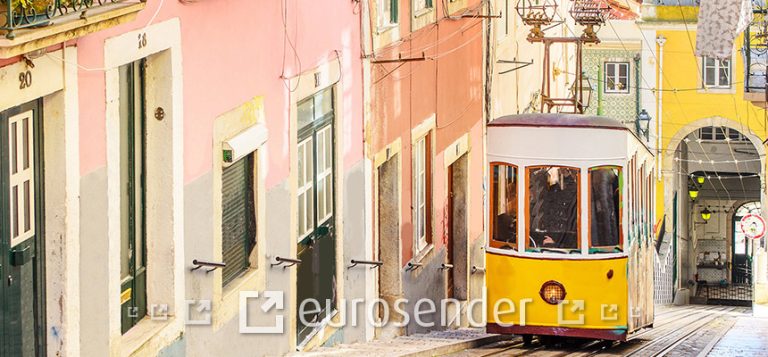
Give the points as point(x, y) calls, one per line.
point(21, 232)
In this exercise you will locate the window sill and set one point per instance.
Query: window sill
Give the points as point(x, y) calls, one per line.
point(422, 18)
point(384, 29)
point(229, 305)
point(419, 13)
point(141, 336)
point(717, 90)
point(617, 93)
point(422, 254)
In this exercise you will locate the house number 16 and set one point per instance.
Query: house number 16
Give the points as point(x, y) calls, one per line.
point(142, 40)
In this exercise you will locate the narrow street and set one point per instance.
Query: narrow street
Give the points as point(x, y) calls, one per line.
point(693, 330)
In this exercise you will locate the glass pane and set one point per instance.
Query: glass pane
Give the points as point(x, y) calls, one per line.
point(605, 206)
point(25, 143)
point(707, 133)
point(13, 155)
point(623, 69)
point(504, 206)
point(15, 209)
point(302, 214)
point(733, 134)
point(323, 103)
point(554, 208)
point(724, 79)
point(305, 113)
point(27, 208)
point(329, 193)
point(719, 133)
point(710, 76)
point(126, 112)
point(321, 199)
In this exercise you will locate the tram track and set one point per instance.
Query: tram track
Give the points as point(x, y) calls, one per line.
point(672, 330)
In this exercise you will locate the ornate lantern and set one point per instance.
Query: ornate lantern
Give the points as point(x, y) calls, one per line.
point(706, 214)
point(643, 123)
point(536, 13)
point(582, 92)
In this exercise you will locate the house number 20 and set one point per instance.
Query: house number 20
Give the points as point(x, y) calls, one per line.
point(25, 79)
point(142, 40)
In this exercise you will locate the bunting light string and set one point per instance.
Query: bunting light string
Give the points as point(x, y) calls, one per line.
point(714, 162)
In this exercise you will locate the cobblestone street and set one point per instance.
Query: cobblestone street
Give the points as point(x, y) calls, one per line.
point(694, 330)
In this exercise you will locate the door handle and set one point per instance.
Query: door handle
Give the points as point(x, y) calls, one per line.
point(10, 280)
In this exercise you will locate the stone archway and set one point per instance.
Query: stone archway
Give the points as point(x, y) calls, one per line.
point(675, 186)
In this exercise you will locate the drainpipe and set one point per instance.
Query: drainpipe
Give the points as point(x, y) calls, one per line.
point(637, 89)
point(600, 110)
point(661, 40)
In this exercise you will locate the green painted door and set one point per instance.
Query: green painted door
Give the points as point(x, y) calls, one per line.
point(317, 243)
point(133, 269)
point(22, 330)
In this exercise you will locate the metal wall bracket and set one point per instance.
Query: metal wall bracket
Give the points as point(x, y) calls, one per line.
point(520, 65)
point(478, 270)
point(212, 265)
point(285, 262)
point(373, 263)
point(445, 266)
point(401, 59)
point(413, 266)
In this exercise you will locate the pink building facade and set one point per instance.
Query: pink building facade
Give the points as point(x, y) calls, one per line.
point(163, 158)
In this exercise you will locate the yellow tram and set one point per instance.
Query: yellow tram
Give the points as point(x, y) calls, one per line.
point(569, 246)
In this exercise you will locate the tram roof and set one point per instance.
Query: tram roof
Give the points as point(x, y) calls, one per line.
point(559, 120)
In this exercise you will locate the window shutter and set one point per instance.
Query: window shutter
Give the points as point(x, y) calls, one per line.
point(238, 217)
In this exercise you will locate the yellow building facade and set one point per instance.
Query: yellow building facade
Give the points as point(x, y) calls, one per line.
point(709, 138)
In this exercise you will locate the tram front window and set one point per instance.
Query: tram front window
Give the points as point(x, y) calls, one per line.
point(504, 207)
point(605, 208)
point(553, 221)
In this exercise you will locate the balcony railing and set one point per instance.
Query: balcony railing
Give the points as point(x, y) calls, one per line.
point(677, 2)
point(755, 53)
point(19, 14)
point(30, 25)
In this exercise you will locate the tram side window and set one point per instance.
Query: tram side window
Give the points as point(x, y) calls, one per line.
point(553, 222)
point(605, 209)
point(504, 207)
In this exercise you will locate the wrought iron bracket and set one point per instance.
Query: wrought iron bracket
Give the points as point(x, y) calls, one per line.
point(401, 59)
point(212, 265)
point(446, 266)
point(373, 263)
point(520, 65)
point(285, 262)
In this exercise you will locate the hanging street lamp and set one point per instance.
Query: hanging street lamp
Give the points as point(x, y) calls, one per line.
point(706, 214)
point(642, 124)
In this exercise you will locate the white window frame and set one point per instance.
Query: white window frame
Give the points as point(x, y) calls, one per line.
point(726, 131)
point(22, 223)
point(304, 190)
point(384, 18)
point(615, 77)
point(717, 65)
point(420, 197)
point(428, 6)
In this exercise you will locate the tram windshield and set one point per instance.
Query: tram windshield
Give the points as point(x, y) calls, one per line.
point(553, 211)
point(605, 209)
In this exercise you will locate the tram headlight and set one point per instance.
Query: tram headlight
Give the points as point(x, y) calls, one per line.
point(552, 292)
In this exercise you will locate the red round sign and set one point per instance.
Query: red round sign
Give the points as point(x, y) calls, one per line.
point(753, 226)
